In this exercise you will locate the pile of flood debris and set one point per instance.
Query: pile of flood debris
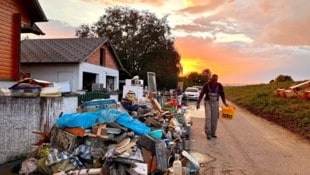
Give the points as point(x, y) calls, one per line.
point(106, 137)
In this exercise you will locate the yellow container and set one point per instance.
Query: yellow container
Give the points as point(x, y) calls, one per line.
point(228, 112)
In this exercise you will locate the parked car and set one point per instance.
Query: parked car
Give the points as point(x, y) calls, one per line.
point(199, 87)
point(192, 93)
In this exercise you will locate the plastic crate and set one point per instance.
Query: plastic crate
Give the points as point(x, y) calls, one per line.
point(228, 112)
point(25, 92)
point(99, 104)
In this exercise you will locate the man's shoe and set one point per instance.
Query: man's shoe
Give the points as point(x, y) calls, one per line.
point(214, 136)
point(208, 137)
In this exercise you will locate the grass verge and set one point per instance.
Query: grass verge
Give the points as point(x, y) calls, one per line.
point(291, 113)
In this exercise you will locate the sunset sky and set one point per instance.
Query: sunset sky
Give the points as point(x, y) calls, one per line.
point(244, 41)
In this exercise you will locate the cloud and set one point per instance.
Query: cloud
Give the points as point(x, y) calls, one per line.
point(242, 40)
point(202, 6)
point(287, 33)
point(239, 62)
point(113, 2)
point(219, 58)
point(283, 22)
point(190, 28)
point(55, 29)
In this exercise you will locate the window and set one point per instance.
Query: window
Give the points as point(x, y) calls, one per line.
point(151, 81)
point(88, 80)
point(102, 57)
point(110, 83)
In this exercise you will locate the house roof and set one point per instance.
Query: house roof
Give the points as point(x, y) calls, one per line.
point(32, 28)
point(34, 10)
point(36, 14)
point(67, 50)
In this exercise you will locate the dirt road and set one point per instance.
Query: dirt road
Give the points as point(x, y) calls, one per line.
point(248, 145)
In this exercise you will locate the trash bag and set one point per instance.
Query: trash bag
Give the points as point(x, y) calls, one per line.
point(135, 125)
point(84, 120)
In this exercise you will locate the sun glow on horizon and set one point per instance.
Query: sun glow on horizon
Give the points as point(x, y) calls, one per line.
point(189, 66)
point(189, 2)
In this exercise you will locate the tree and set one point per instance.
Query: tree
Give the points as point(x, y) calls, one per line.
point(283, 78)
point(142, 41)
point(195, 78)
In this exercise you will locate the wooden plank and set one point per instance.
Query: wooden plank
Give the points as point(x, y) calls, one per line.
point(10, 6)
point(4, 75)
point(5, 49)
point(4, 71)
point(76, 131)
point(301, 86)
point(5, 60)
point(5, 19)
point(5, 64)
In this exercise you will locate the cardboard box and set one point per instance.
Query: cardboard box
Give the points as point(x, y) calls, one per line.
point(64, 141)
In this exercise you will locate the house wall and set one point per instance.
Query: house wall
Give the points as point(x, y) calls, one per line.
point(102, 73)
point(55, 73)
point(109, 59)
point(6, 84)
point(110, 65)
point(12, 15)
point(20, 116)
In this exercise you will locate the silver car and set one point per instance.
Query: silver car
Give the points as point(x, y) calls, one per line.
point(192, 93)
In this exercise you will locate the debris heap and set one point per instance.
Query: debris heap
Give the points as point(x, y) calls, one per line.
point(106, 137)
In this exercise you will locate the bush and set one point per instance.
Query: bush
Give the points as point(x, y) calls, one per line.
point(283, 78)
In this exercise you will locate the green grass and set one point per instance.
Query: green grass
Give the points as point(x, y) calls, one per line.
point(293, 113)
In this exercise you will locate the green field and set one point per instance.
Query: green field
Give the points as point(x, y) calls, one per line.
point(292, 113)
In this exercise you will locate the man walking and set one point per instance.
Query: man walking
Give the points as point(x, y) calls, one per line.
point(212, 90)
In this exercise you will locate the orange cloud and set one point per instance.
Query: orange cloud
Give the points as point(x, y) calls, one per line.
point(287, 31)
point(114, 2)
point(200, 6)
point(242, 41)
point(198, 54)
point(55, 29)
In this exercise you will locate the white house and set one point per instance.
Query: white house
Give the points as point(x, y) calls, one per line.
point(80, 61)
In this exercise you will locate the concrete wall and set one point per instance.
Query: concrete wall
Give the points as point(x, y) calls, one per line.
point(20, 116)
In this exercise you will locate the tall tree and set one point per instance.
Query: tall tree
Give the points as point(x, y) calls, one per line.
point(142, 41)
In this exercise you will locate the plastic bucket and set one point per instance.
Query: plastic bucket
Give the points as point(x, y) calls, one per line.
point(228, 112)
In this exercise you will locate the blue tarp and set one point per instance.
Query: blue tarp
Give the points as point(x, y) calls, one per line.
point(88, 119)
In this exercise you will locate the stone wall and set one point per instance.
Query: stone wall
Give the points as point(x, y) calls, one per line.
point(19, 117)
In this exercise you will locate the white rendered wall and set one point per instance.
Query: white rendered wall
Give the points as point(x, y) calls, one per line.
point(102, 73)
point(50, 73)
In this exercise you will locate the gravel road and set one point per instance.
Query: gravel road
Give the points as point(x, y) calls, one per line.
point(247, 145)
